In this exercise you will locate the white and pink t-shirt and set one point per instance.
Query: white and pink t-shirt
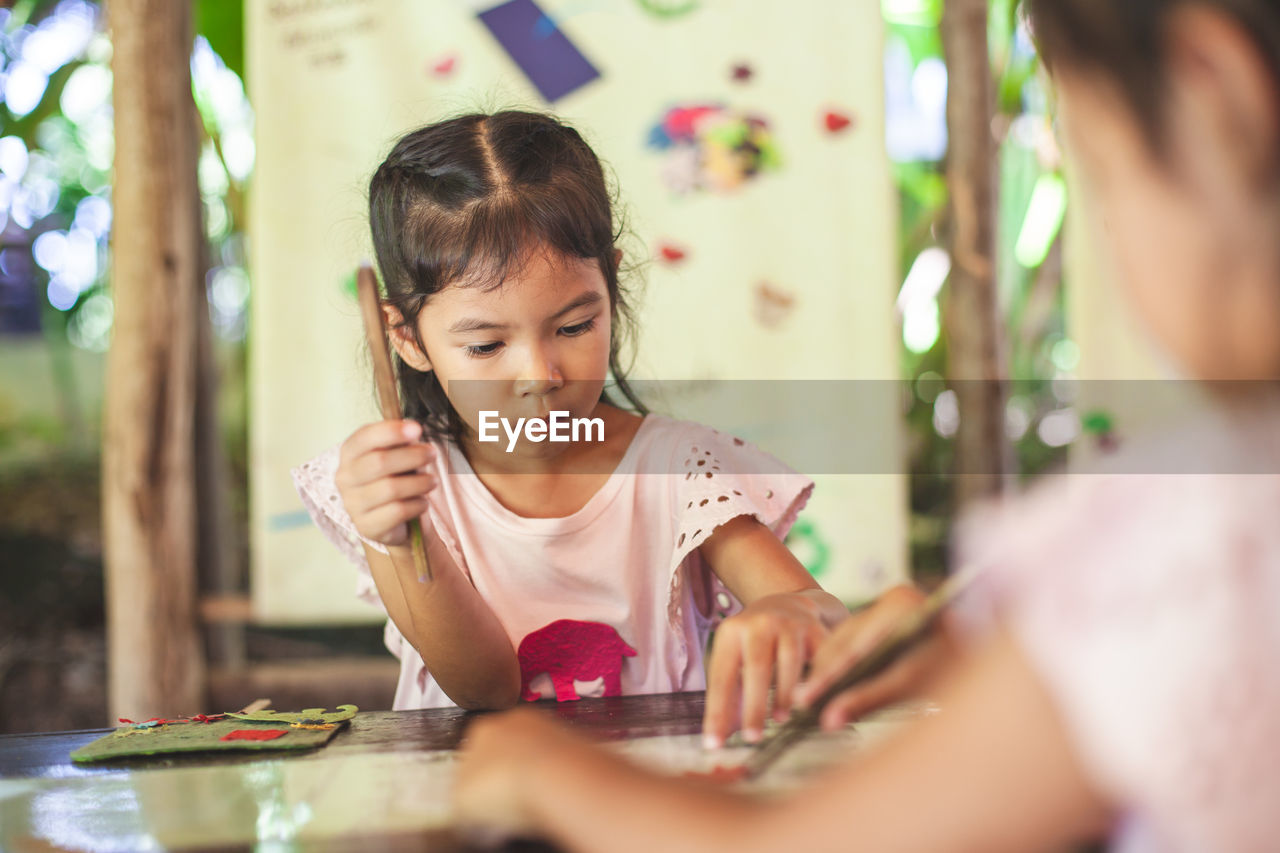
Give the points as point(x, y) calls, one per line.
point(1149, 605)
point(613, 582)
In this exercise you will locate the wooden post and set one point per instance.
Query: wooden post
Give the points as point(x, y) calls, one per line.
point(149, 438)
point(975, 337)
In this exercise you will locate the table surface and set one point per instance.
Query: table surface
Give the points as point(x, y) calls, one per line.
point(382, 783)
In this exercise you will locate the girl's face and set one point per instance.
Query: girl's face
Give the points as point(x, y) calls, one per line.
point(1189, 237)
point(537, 344)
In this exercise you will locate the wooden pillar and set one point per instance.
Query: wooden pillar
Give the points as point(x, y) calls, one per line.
point(972, 321)
point(150, 525)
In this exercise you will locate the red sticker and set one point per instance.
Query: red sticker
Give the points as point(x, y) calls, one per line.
point(837, 121)
point(444, 67)
point(254, 734)
point(670, 253)
point(742, 72)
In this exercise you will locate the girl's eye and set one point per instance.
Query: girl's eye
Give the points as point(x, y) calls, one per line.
point(578, 328)
point(482, 350)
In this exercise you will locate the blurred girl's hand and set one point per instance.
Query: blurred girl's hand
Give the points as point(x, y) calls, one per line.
point(853, 639)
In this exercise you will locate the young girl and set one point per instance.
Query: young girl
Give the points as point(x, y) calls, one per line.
point(555, 564)
point(1126, 682)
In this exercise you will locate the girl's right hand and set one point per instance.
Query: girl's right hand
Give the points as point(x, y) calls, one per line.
point(383, 479)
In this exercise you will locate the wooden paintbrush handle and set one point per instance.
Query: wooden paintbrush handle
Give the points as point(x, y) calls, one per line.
point(375, 331)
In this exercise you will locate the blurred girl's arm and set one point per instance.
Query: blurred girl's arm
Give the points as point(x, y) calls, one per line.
point(994, 772)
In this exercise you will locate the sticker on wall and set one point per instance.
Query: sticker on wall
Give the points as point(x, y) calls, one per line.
point(809, 546)
point(670, 253)
point(772, 305)
point(668, 8)
point(741, 73)
point(553, 64)
point(443, 66)
point(837, 121)
point(712, 147)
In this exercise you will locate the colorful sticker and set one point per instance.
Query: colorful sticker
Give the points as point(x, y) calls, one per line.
point(544, 53)
point(668, 8)
point(712, 147)
point(837, 121)
point(809, 546)
point(254, 734)
point(772, 305)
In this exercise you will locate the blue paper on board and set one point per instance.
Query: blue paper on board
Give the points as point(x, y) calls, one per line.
point(541, 49)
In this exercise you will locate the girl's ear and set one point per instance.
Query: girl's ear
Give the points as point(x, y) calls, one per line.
point(403, 340)
point(1228, 89)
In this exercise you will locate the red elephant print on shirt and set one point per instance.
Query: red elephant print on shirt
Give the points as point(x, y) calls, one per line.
point(568, 650)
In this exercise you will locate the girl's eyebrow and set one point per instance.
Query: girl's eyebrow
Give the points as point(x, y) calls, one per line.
point(479, 324)
point(589, 298)
point(474, 324)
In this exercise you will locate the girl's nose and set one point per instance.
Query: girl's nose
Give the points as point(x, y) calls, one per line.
point(540, 375)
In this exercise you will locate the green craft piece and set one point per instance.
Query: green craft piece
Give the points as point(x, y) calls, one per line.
point(805, 535)
point(1098, 422)
point(195, 737)
point(308, 716)
point(668, 8)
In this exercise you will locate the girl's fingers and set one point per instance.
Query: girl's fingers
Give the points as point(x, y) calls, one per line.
point(365, 499)
point(390, 462)
point(386, 524)
point(833, 657)
point(377, 435)
point(853, 703)
point(720, 717)
point(757, 675)
point(856, 636)
point(790, 663)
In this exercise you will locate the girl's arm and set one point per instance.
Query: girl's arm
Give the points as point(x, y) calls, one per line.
point(785, 618)
point(463, 645)
point(383, 477)
point(994, 772)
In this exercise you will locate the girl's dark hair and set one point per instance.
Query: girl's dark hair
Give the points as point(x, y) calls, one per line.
point(1125, 41)
point(468, 198)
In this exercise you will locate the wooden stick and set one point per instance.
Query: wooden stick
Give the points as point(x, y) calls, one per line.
point(913, 628)
point(375, 331)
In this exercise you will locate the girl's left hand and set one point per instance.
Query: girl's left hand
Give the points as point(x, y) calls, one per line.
point(769, 642)
point(502, 759)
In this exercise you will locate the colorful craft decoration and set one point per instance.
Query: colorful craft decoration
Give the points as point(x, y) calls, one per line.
point(1102, 427)
point(261, 730)
point(668, 8)
point(671, 253)
point(568, 650)
point(837, 121)
point(444, 66)
point(809, 546)
point(553, 64)
point(311, 718)
point(254, 734)
point(772, 305)
point(712, 147)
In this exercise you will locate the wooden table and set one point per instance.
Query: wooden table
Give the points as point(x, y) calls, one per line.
point(381, 784)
